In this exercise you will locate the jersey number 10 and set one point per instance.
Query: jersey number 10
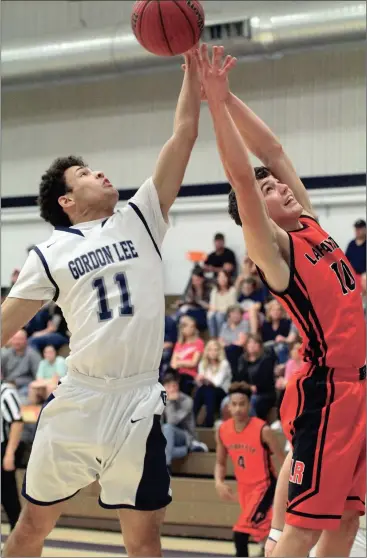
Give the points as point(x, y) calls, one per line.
point(126, 309)
point(344, 275)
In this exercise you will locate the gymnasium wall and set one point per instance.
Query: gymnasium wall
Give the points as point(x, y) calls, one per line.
point(314, 101)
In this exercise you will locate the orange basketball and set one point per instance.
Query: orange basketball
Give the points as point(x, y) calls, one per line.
point(167, 27)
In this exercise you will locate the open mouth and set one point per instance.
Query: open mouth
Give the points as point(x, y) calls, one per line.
point(106, 183)
point(289, 200)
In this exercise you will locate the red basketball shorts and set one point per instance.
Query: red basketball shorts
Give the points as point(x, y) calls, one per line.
point(324, 417)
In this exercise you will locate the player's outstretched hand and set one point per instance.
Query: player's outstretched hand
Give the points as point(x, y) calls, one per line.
point(269, 547)
point(225, 492)
point(214, 73)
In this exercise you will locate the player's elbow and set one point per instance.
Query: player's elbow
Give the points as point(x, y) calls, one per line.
point(187, 131)
point(271, 153)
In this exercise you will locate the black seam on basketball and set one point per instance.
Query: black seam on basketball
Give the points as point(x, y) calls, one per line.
point(163, 28)
point(141, 17)
point(187, 19)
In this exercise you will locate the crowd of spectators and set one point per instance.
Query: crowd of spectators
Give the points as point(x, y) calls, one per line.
point(225, 327)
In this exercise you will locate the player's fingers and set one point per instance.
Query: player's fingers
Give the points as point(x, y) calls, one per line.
point(183, 67)
point(204, 55)
point(229, 63)
point(217, 57)
point(198, 59)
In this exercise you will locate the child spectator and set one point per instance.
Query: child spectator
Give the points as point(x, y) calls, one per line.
point(233, 335)
point(213, 380)
point(170, 338)
point(223, 296)
point(275, 329)
point(187, 353)
point(50, 370)
point(179, 423)
point(250, 294)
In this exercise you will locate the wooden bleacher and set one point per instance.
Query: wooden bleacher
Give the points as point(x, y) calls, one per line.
point(196, 510)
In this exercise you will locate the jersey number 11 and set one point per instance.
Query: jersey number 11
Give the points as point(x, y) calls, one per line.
point(126, 309)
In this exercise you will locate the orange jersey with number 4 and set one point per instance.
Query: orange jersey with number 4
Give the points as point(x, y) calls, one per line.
point(324, 299)
point(255, 476)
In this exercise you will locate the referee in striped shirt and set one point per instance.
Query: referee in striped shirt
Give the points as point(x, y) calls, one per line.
point(11, 432)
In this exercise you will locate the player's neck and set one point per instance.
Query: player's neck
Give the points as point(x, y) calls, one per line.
point(93, 215)
point(241, 425)
point(290, 226)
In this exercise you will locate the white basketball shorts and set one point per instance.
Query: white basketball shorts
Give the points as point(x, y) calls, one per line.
point(105, 431)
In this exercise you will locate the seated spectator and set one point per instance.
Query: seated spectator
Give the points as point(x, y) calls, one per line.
point(250, 294)
point(356, 249)
point(256, 368)
point(195, 302)
point(170, 338)
point(50, 370)
point(187, 353)
point(43, 329)
point(223, 296)
point(213, 380)
point(221, 258)
point(19, 364)
point(275, 329)
point(363, 289)
point(286, 371)
point(179, 423)
point(233, 335)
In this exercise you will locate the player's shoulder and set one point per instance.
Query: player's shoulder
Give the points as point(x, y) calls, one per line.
point(259, 424)
point(226, 427)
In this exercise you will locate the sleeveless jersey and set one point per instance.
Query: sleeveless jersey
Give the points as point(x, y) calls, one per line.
point(324, 299)
point(251, 458)
point(107, 278)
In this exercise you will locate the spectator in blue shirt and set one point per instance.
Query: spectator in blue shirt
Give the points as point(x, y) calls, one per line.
point(356, 250)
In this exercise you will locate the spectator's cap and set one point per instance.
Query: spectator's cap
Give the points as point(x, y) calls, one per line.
point(219, 236)
point(360, 224)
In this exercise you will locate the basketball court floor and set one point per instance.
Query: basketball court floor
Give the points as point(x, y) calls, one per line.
point(78, 543)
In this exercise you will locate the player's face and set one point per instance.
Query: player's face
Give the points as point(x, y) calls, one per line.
point(283, 207)
point(89, 190)
point(239, 406)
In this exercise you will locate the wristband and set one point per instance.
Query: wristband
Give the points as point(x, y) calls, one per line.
point(275, 534)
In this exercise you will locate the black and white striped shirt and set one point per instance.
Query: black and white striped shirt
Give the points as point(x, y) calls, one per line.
point(10, 409)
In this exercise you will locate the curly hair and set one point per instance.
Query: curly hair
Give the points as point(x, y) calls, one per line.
point(260, 173)
point(240, 387)
point(53, 185)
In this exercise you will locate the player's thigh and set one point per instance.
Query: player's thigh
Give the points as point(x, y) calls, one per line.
point(140, 453)
point(38, 521)
point(141, 530)
point(63, 451)
point(326, 448)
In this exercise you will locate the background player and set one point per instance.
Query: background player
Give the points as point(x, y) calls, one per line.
point(106, 273)
point(250, 443)
point(323, 411)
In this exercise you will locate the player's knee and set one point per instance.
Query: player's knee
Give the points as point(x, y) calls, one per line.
point(147, 544)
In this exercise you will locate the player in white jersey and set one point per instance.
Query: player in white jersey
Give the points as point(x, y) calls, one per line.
point(104, 268)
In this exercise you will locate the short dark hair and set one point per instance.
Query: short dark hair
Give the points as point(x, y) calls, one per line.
point(53, 185)
point(171, 376)
point(240, 387)
point(260, 173)
point(219, 236)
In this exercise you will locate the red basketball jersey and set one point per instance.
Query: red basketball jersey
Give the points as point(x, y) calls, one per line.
point(324, 299)
point(250, 457)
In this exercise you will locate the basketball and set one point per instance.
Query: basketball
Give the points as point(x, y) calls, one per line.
point(167, 28)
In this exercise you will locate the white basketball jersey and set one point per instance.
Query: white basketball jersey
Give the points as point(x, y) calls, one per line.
point(107, 277)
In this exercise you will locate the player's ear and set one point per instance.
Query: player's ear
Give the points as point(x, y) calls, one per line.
point(67, 200)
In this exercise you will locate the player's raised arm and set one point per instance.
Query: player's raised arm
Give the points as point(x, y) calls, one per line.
point(15, 314)
point(259, 231)
point(175, 155)
point(264, 144)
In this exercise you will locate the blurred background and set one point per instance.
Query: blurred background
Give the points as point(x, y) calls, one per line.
point(75, 81)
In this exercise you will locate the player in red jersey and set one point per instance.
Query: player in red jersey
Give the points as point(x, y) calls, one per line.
point(323, 412)
point(249, 442)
